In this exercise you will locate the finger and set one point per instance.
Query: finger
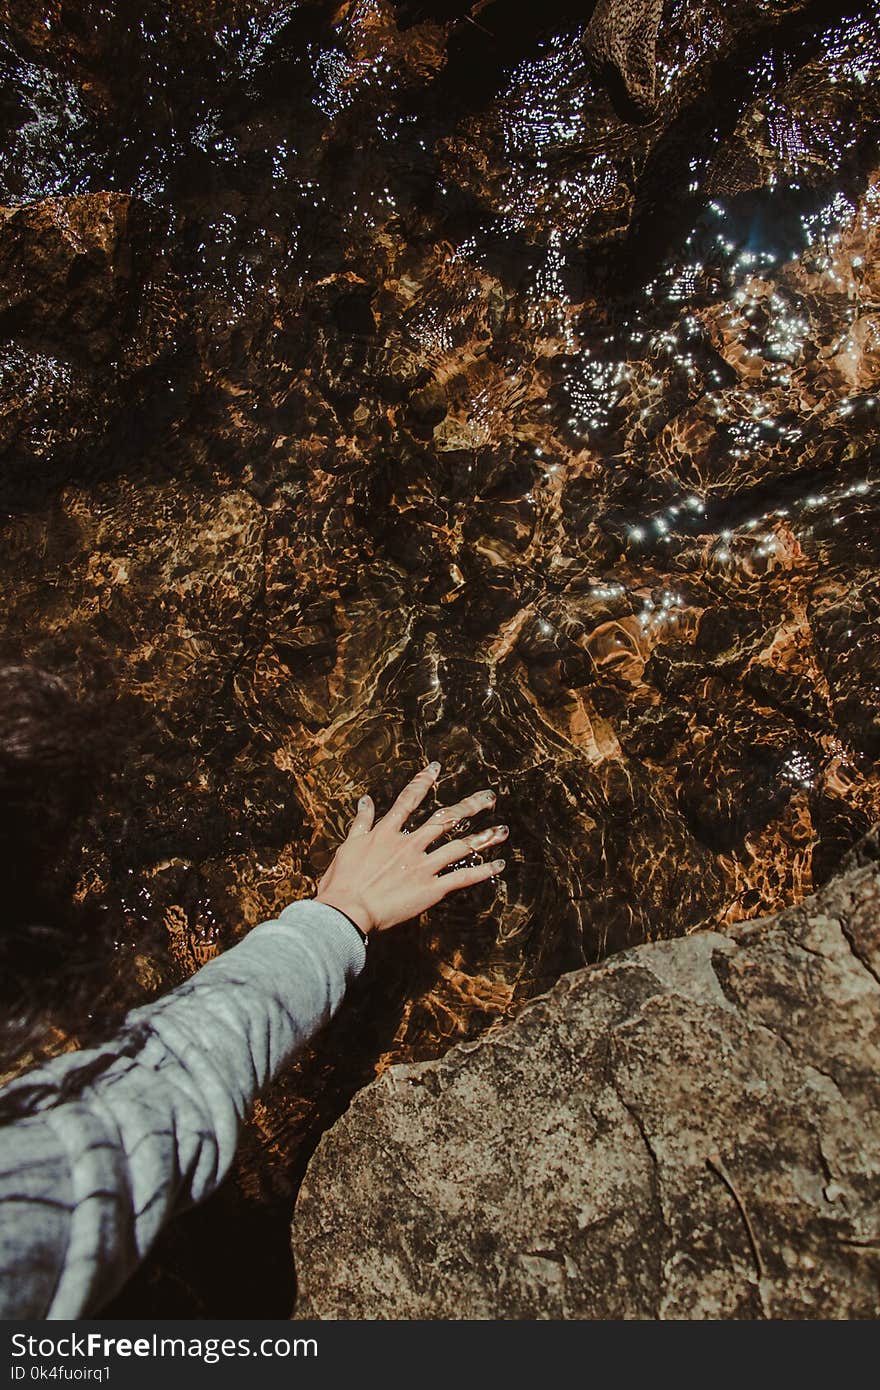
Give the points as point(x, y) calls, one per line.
point(458, 849)
point(446, 816)
point(363, 821)
point(411, 797)
point(463, 878)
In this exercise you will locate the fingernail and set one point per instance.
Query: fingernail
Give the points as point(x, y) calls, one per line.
point(434, 768)
point(488, 796)
point(498, 864)
point(501, 830)
point(363, 801)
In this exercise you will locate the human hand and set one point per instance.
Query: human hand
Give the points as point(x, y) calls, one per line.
point(382, 874)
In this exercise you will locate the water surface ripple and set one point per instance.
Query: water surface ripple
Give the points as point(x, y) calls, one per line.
point(377, 388)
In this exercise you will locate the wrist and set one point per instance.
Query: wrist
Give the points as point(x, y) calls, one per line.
point(350, 908)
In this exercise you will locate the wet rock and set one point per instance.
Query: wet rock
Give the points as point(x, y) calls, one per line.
point(603, 110)
point(43, 393)
point(621, 42)
point(427, 408)
point(689, 1131)
point(66, 271)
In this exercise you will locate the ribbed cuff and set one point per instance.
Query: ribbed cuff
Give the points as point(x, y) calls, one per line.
point(360, 931)
point(347, 942)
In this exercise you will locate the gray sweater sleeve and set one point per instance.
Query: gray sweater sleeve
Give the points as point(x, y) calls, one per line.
point(86, 1183)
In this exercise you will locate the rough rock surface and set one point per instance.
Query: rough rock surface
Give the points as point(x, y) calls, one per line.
point(691, 1130)
point(64, 268)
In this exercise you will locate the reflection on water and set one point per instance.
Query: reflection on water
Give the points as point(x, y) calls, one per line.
point(374, 389)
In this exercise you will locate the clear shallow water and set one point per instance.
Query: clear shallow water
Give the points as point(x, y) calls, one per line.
point(385, 394)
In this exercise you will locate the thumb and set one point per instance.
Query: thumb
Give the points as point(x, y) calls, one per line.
point(363, 821)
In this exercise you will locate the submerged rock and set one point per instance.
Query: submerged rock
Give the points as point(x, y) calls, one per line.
point(65, 271)
point(621, 37)
point(374, 388)
point(688, 1131)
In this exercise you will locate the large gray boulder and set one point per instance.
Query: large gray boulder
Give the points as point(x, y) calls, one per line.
point(690, 1130)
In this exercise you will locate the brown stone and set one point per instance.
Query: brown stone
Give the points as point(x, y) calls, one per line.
point(688, 1131)
point(65, 270)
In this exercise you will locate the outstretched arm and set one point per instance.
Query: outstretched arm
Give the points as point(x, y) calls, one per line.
point(88, 1180)
point(87, 1183)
